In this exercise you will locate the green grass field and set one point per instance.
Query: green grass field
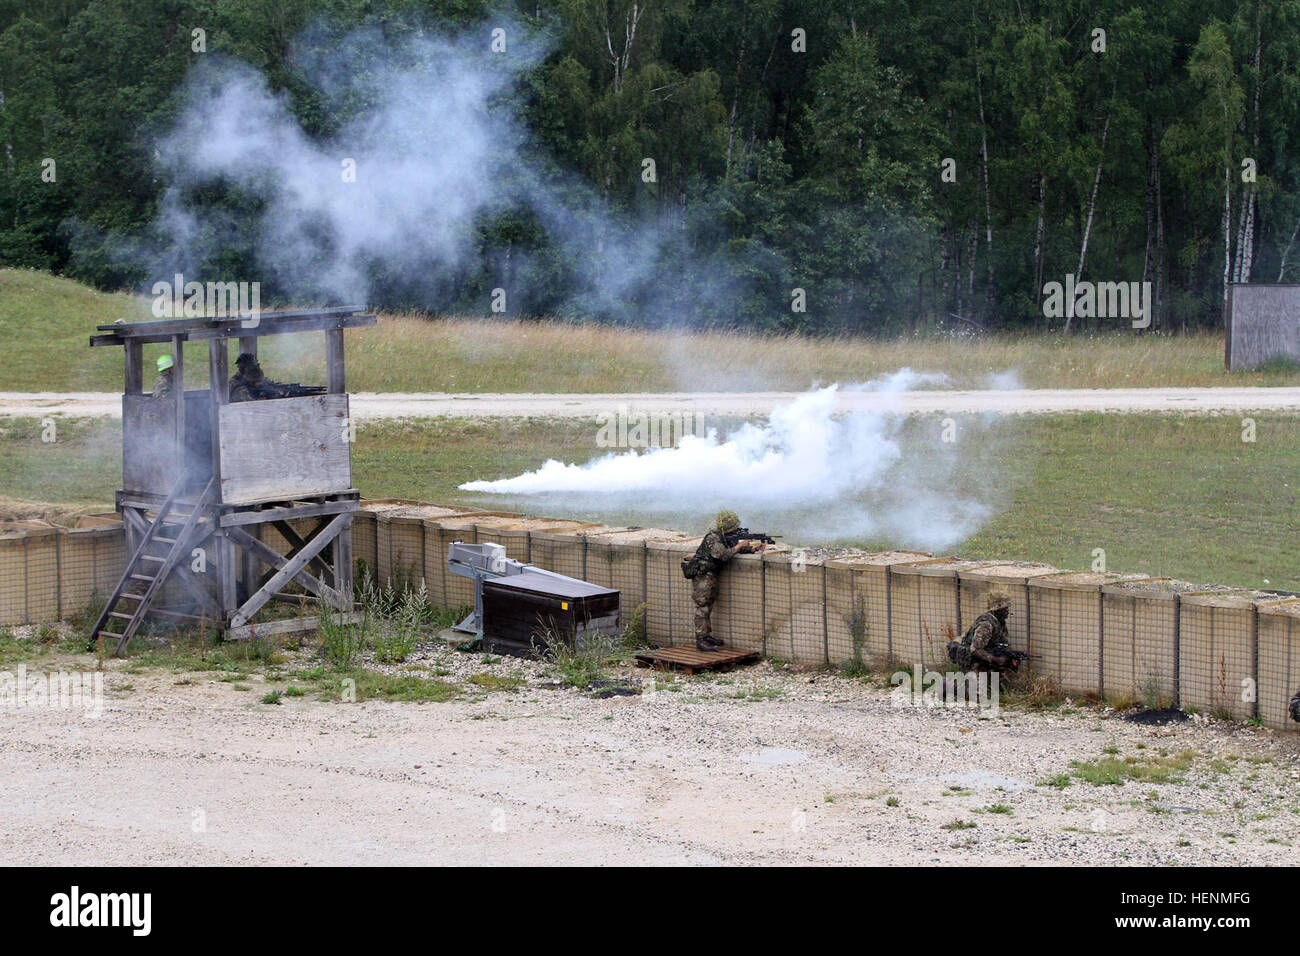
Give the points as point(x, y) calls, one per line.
point(46, 322)
point(1172, 495)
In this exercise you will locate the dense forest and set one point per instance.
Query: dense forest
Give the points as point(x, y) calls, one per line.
point(820, 165)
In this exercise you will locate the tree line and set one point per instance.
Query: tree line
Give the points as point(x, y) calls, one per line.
point(849, 165)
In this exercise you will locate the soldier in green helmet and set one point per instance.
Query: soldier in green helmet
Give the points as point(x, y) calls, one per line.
point(162, 385)
point(703, 569)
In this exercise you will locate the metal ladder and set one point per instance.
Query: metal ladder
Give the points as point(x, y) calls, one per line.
point(148, 568)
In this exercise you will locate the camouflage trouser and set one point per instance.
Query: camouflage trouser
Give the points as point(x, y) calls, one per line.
point(704, 591)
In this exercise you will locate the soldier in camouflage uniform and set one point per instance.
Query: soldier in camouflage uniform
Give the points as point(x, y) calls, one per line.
point(1294, 708)
point(162, 385)
point(703, 569)
point(248, 376)
point(985, 645)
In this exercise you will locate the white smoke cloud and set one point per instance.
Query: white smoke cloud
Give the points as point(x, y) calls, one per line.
point(429, 149)
point(832, 476)
point(434, 127)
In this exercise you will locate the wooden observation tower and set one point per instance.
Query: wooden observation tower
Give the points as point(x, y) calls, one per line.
point(203, 478)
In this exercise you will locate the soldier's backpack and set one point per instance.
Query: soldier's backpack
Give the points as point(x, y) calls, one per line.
point(959, 651)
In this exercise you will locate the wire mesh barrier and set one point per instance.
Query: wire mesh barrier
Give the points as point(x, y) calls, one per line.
point(1152, 641)
point(1065, 627)
point(561, 553)
point(1278, 661)
point(863, 610)
point(616, 558)
point(517, 541)
point(670, 611)
point(807, 626)
point(738, 616)
point(845, 621)
point(457, 591)
point(777, 608)
point(1216, 652)
point(923, 609)
point(364, 543)
point(1139, 640)
point(406, 553)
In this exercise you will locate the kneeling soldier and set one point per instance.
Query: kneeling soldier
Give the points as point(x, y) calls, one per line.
point(985, 645)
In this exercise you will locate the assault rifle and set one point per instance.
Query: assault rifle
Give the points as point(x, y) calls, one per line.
point(732, 538)
point(960, 654)
point(1005, 651)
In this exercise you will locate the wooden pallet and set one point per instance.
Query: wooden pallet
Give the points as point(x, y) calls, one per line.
point(690, 660)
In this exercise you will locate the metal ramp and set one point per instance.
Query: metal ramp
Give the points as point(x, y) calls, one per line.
point(172, 532)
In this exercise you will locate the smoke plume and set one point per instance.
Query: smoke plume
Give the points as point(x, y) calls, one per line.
point(397, 202)
point(833, 477)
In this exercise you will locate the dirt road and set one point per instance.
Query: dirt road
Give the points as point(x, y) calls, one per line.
point(761, 766)
point(369, 405)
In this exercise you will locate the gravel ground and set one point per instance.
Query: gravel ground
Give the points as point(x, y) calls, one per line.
point(371, 405)
point(764, 765)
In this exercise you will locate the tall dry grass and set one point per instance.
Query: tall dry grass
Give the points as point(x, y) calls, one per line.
point(412, 354)
point(46, 321)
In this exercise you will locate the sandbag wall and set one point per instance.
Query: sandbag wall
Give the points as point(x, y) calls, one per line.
point(1221, 650)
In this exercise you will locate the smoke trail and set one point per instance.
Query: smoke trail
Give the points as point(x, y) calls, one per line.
point(833, 476)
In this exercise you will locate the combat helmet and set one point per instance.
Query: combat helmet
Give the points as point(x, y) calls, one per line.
point(726, 520)
point(165, 362)
point(998, 600)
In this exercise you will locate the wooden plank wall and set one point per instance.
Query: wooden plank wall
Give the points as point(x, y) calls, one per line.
point(285, 447)
point(1263, 323)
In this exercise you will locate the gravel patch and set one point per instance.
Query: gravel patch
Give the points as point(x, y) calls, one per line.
point(765, 765)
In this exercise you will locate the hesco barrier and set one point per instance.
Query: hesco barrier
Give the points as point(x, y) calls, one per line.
point(858, 605)
point(1278, 661)
point(1151, 640)
point(1065, 620)
point(1217, 659)
point(1139, 639)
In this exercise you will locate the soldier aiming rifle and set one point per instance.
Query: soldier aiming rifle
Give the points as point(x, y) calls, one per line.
point(724, 541)
point(733, 538)
point(248, 384)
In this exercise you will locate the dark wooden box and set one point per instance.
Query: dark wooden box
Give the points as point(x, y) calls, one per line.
point(519, 610)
